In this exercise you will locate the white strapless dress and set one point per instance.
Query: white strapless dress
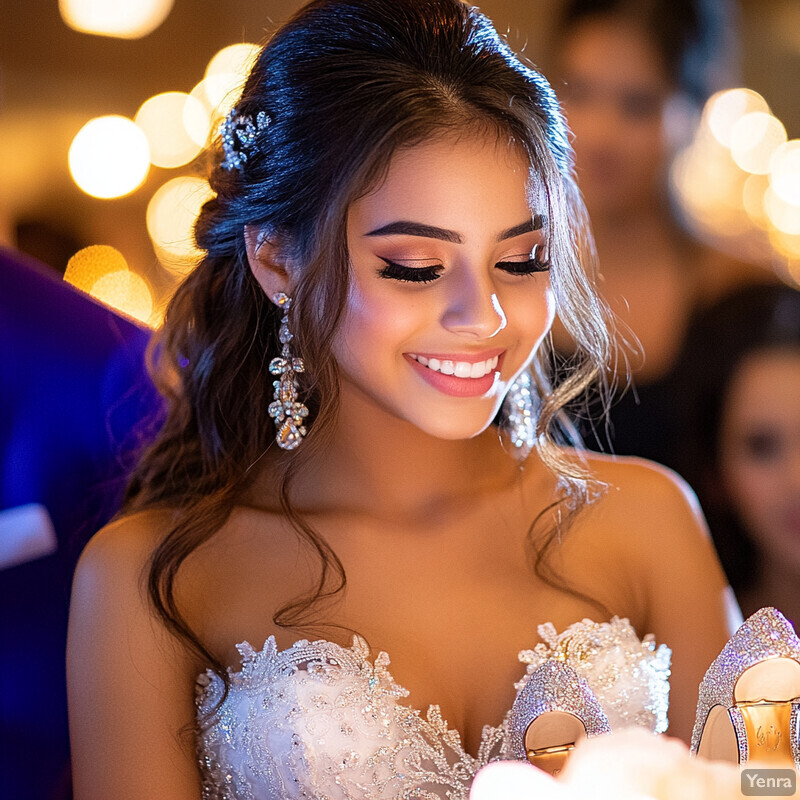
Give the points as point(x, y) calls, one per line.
point(323, 721)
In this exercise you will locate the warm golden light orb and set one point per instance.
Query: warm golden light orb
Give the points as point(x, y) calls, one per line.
point(109, 157)
point(226, 73)
point(123, 19)
point(162, 118)
point(171, 215)
point(784, 169)
point(724, 109)
point(87, 266)
point(125, 291)
point(754, 139)
point(784, 216)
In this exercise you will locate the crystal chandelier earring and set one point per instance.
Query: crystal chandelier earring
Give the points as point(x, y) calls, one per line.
point(287, 411)
point(520, 417)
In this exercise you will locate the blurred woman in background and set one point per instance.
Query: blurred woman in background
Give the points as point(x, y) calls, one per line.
point(636, 74)
point(742, 440)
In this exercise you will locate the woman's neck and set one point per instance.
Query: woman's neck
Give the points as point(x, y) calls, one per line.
point(376, 463)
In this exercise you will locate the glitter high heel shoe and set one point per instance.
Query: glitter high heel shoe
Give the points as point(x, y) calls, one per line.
point(552, 711)
point(749, 704)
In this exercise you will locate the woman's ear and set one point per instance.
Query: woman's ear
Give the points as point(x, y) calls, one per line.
point(269, 260)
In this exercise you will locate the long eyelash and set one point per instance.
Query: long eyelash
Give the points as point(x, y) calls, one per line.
point(529, 267)
point(399, 272)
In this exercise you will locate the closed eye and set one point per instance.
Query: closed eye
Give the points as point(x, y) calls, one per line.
point(401, 272)
point(530, 266)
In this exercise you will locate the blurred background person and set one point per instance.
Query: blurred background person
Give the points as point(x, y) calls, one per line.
point(634, 75)
point(741, 440)
point(73, 392)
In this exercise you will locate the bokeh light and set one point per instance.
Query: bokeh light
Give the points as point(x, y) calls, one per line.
point(738, 182)
point(724, 109)
point(109, 157)
point(125, 19)
point(87, 266)
point(163, 118)
point(226, 73)
point(754, 138)
point(213, 114)
point(755, 187)
point(784, 171)
point(171, 215)
point(124, 291)
point(709, 186)
point(784, 216)
point(786, 244)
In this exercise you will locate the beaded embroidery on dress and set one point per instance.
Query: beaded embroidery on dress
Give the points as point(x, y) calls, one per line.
point(319, 720)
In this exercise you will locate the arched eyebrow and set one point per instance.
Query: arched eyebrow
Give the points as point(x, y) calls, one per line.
point(417, 229)
point(535, 224)
point(407, 228)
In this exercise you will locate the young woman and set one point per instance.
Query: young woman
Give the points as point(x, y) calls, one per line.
point(395, 225)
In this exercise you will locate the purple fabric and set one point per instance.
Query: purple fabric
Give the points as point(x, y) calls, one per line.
point(73, 394)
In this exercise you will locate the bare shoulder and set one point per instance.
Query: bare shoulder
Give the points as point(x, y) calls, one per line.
point(648, 526)
point(129, 534)
point(109, 590)
point(122, 549)
point(130, 682)
point(642, 494)
point(651, 519)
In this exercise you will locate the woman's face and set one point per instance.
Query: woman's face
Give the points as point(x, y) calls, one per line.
point(760, 451)
point(615, 99)
point(449, 298)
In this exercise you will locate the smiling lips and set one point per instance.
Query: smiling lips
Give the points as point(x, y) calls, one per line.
point(457, 377)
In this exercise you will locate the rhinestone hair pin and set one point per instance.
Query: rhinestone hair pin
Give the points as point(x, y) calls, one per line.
point(238, 133)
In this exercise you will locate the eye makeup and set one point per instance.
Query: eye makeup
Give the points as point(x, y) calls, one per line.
point(430, 273)
point(401, 272)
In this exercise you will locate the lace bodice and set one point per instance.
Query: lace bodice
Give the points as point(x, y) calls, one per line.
point(319, 720)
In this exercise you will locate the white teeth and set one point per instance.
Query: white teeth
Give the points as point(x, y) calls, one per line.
point(461, 369)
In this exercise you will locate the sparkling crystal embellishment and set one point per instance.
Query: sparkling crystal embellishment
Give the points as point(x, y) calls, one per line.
point(554, 686)
point(521, 416)
point(287, 411)
point(766, 634)
point(238, 133)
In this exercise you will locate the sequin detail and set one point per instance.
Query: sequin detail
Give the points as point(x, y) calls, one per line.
point(238, 133)
point(553, 686)
point(766, 634)
point(628, 676)
point(521, 415)
point(322, 721)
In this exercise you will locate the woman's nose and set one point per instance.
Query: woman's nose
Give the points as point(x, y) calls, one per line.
point(474, 310)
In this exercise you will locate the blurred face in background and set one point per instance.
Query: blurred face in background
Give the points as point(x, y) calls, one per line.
point(616, 100)
point(760, 452)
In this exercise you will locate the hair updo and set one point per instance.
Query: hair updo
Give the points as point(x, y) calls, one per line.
point(345, 83)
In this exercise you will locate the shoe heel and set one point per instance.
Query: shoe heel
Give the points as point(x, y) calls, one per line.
point(550, 739)
point(762, 723)
point(553, 710)
point(768, 730)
